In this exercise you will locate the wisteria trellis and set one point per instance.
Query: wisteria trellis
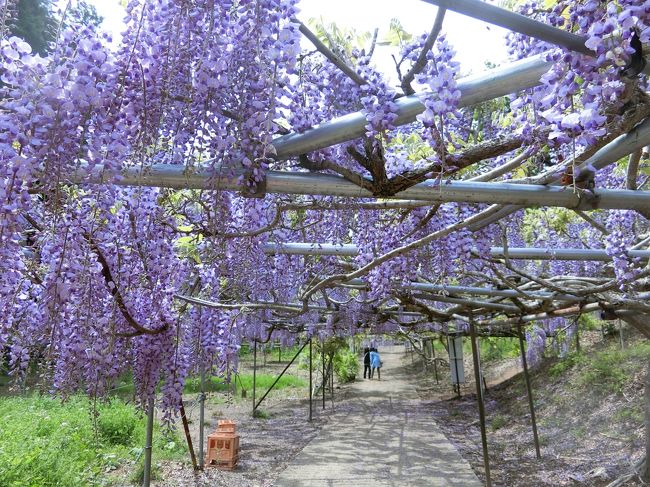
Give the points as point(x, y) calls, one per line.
point(91, 275)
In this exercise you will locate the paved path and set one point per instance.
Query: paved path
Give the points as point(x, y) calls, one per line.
point(380, 436)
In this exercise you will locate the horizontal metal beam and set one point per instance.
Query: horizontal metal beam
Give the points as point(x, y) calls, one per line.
point(284, 182)
point(518, 23)
point(474, 89)
point(635, 139)
point(515, 22)
point(480, 291)
point(261, 305)
point(508, 308)
point(351, 250)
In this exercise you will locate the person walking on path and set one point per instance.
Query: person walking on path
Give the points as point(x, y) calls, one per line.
point(375, 363)
point(366, 362)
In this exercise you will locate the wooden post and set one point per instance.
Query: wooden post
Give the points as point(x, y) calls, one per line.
point(254, 371)
point(529, 390)
point(577, 337)
point(310, 381)
point(146, 480)
point(481, 406)
point(188, 437)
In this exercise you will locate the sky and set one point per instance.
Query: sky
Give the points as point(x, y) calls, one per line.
point(474, 41)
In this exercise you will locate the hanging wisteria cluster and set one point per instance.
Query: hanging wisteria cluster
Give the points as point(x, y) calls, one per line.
point(97, 280)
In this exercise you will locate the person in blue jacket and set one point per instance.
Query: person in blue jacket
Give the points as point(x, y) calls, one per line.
point(375, 363)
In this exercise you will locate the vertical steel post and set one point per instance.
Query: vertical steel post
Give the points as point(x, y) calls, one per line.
point(202, 419)
point(435, 365)
point(481, 406)
point(254, 371)
point(331, 376)
point(322, 356)
point(620, 334)
point(310, 380)
point(457, 385)
point(146, 481)
point(529, 390)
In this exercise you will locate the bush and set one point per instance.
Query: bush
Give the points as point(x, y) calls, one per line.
point(605, 372)
point(44, 442)
point(498, 422)
point(116, 423)
point(565, 364)
point(346, 365)
point(497, 348)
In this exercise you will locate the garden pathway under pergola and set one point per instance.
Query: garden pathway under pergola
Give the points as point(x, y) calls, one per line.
point(380, 437)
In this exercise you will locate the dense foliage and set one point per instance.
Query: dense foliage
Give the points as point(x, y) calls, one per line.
point(90, 274)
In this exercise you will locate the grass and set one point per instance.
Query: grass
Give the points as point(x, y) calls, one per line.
point(262, 381)
point(44, 442)
point(565, 364)
point(607, 370)
point(498, 422)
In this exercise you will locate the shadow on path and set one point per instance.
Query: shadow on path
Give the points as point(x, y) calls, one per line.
point(381, 434)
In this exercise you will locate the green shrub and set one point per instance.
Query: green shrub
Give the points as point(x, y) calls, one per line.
point(605, 371)
point(116, 423)
point(346, 365)
point(261, 414)
point(497, 348)
point(498, 422)
point(565, 364)
point(137, 475)
point(44, 442)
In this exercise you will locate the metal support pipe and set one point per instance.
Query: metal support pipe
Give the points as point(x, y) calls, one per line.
point(254, 372)
point(515, 22)
point(518, 23)
point(481, 405)
point(286, 182)
point(474, 89)
point(464, 302)
point(202, 420)
point(310, 379)
point(529, 390)
point(435, 365)
point(146, 480)
point(480, 291)
point(625, 144)
point(331, 377)
point(523, 253)
point(322, 357)
point(280, 376)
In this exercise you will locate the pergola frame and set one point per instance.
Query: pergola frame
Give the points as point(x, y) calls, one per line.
point(474, 89)
point(489, 308)
point(533, 300)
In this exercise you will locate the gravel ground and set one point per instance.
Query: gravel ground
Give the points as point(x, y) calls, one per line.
point(267, 444)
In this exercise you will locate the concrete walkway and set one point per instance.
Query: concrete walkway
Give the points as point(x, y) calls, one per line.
point(381, 435)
